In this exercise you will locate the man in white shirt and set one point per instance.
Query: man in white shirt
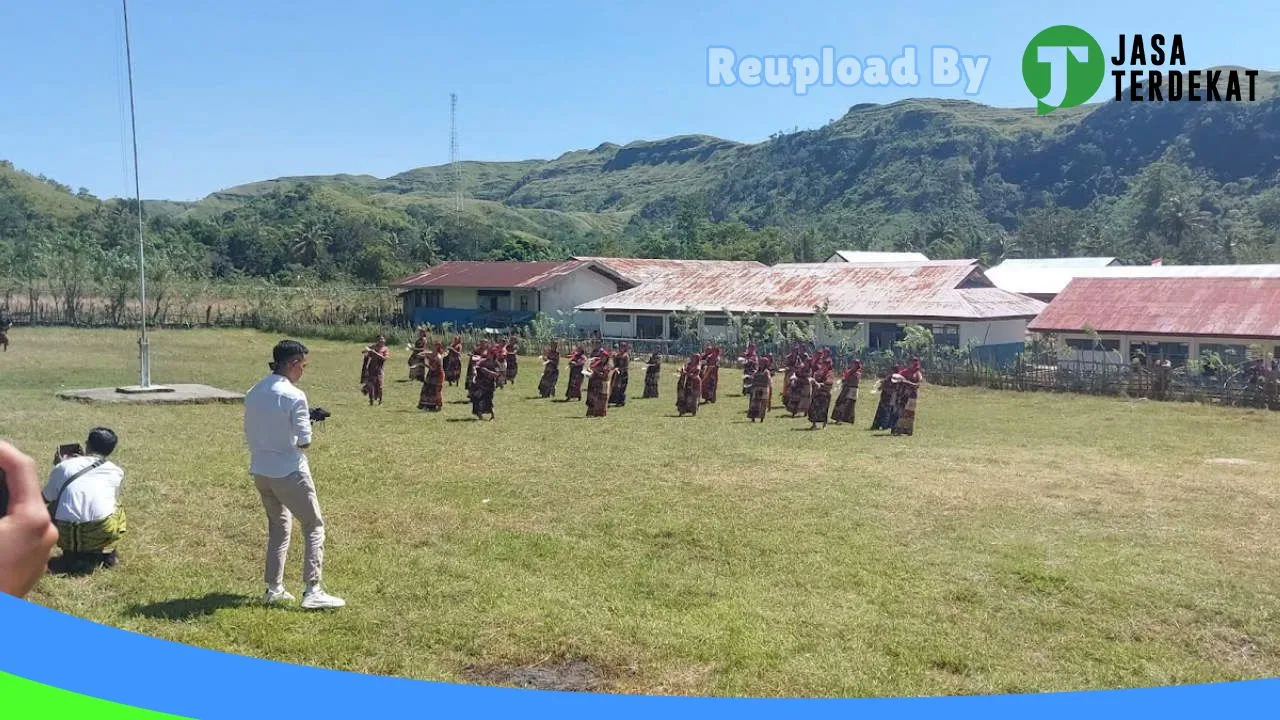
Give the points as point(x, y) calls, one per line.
point(85, 488)
point(277, 425)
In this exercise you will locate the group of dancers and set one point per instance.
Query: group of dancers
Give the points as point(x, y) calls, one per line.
point(808, 384)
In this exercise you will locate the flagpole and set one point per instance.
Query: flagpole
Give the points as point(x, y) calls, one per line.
point(144, 349)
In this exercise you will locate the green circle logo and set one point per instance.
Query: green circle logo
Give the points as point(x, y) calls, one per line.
point(1063, 67)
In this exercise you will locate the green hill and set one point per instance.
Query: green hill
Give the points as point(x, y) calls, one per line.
point(1190, 182)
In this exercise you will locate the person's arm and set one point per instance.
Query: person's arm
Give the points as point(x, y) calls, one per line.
point(57, 477)
point(26, 533)
point(302, 422)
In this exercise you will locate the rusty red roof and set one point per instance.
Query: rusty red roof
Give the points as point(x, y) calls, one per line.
point(937, 290)
point(1227, 307)
point(491, 274)
point(639, 270)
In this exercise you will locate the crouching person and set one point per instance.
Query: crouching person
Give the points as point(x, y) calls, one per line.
point(83, 497)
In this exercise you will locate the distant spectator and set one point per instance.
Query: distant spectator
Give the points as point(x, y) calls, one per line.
point(83, 493)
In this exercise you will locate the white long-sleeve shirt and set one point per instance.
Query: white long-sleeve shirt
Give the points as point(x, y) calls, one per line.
point(276, 421)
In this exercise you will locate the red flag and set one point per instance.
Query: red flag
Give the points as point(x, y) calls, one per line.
point(1158, 261)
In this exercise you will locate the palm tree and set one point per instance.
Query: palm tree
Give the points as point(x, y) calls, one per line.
point(311, 242)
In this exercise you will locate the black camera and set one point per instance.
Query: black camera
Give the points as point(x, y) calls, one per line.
point(4, 494)
point(319, 414)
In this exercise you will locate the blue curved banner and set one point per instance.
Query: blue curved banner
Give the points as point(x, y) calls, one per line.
point(167, 677)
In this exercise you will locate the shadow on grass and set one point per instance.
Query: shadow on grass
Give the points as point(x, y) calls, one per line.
point(189, 608)
point(465, 419)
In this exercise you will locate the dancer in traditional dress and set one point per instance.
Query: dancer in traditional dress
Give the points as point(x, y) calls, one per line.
point(883, 419)
point(710, 373)
point(502, 363)
point(750, 362)
point(689, 386)
point(652, 374)
point(761, 390)
point(550, 371)
point(431, 398)
point(487, 372)
point(801, 390)
point(453, 362)
point(847, 401)
point(621, 371)
point(477, 356)
point(372, 371)
point(909, 390)
point(822, 381)
point(577, 362)
point(602, 371)
point(419, 346)
point(513, 358)
point(5, 324)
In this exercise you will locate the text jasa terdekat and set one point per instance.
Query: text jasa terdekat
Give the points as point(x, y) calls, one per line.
point(1136, 54)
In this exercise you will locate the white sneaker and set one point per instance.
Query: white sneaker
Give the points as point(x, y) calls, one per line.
point(278, 597)
point(317, 599)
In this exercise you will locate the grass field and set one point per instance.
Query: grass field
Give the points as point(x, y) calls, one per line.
point(1019, 542)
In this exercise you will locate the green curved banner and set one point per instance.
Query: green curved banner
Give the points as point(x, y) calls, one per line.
point(21, 699)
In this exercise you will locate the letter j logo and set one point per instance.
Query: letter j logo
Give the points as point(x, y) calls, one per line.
point(1063, 67)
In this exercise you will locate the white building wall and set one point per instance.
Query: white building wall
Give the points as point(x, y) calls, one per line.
point(994, 332)
point(577, 288)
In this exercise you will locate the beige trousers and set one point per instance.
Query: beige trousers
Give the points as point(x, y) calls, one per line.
point(285, 498)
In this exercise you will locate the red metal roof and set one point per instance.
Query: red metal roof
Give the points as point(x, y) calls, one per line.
point(491, 274)
point(1224, 307)
point(639, 270)
point(939, 290)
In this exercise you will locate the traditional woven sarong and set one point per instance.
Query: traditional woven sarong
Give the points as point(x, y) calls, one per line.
point(513, 363)
point(574, 389)
point(453, 366)
point(760, 393)
point(710, 383)
point(99, 536)
point(819, 402)
point(688, 392)
point(550, 376)
point(846, 403)
point(432, 396)
point(598, 392)
point(651, 376)
point(618, 388)
point(906, 420)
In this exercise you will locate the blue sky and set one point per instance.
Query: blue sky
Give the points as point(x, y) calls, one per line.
point(231, 91)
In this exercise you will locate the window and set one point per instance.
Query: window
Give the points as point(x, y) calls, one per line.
point(948, 335)
point(1175, 353)
point(524, 302)
point(1228, 354)
point(431, 298)
point(648, 327)
point(493, 300)
point(1087, 345)
point(715, 321)
point(846, 324)
point(882, 336)
point(618, 319)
